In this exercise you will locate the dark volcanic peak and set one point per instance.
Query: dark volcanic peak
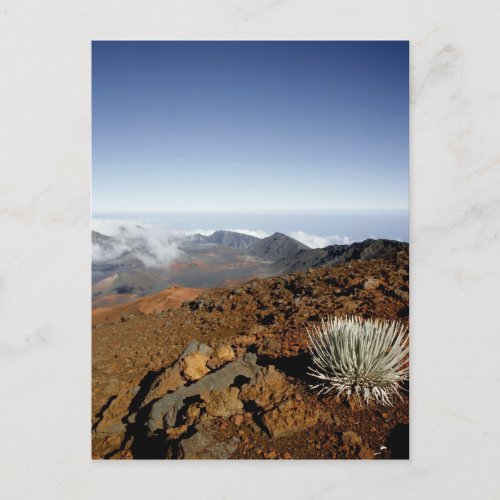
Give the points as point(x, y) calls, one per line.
point(276, 247)
point(103, 240)
point(196, 238)
point(97, 236)
point(340, 254)
point(232, 239)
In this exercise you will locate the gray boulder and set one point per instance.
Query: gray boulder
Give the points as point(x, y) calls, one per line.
point(164, 412)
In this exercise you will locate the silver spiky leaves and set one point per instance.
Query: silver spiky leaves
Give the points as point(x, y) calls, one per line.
point(362, 357)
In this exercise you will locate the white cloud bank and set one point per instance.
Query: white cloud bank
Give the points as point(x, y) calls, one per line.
point(315, 241)
point(258, 233)
point(158, 246)
point(154, 246)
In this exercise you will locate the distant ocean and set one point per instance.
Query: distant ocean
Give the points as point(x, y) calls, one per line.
point(333, 227)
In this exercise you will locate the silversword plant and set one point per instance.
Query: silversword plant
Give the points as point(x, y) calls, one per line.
point(362, 357)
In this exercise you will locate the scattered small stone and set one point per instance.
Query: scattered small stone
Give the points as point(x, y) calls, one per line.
point(371, 284)
point(238, 420)
point(351, 438)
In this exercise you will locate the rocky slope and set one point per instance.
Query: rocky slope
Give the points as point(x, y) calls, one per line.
point(339, 254)
point(224, 258)
point(171, 298)
point(225, 375)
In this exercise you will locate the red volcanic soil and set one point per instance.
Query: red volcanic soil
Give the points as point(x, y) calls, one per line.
point(138, 361)
point(171, 298)
point(115, 299)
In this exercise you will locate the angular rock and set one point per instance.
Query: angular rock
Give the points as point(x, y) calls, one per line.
point(175, 432)
point(245, 340)
point(164, 411)
point(204, 445)
point(103, 443)
point(168, 381)
point(352, 446)
point(175, 376)
point(268, 388)
point(109, 430)
point(222, 355)
point(112, 416)
point(223, 402)
point(290, 417)
point(192, 413)
point(195, 346)
point(194, 366)
point(193, 360)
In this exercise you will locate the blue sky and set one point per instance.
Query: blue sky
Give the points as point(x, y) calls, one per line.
point(249, 126)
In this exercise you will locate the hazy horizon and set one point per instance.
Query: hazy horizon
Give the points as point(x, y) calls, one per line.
point(315, 229)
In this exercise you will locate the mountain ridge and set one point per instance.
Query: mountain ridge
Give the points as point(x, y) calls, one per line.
point(276, 247)
point(222, 258)
point(332, 255)
point(232, 239)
